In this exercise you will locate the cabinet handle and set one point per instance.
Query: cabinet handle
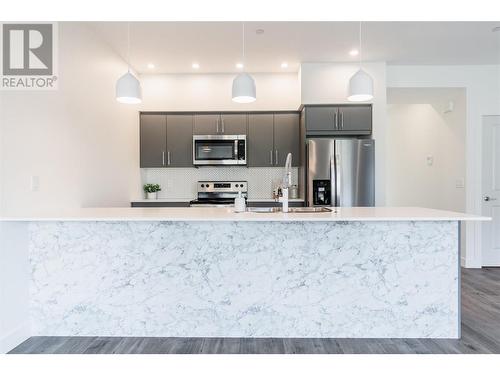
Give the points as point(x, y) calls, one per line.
point(217, 126)
point(222, 121)
point(271, 157)
point(163, 158)
point(276, 153)
point(335, 120)
point(168, 157)
point(342, 120)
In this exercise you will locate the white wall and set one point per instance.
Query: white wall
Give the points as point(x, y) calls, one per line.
point(328, 83)
point(212, 92)
point(79, 141)
point(482, 85)
point(416, 131)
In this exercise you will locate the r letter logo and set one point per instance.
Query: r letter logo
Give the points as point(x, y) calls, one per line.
point(28, 56)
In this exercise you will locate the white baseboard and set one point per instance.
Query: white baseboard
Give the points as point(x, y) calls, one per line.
point(13, 338)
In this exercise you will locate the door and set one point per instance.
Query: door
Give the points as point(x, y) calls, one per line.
point(153, 140)
point(321, 119)
point(491, 191)
point(320, 172)
point(206, 124)
point(233, 124)
point(260, 140)
point(357, 119)
point(179, 141)
point(355, 172)
point(286, 138)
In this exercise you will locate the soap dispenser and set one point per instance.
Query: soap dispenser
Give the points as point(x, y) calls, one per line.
point(239, 203)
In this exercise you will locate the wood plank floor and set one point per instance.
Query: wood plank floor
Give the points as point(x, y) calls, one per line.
point(480, 334)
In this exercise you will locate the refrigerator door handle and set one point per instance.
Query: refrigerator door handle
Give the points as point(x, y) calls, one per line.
point(338, 184)
point(332, 183)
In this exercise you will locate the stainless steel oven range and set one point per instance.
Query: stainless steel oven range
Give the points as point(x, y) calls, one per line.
point(219, 193)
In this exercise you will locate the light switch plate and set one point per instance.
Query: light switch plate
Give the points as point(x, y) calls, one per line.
point(35, 183)
point(430, 160)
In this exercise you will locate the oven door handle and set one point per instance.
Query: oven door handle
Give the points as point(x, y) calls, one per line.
point(235, 149)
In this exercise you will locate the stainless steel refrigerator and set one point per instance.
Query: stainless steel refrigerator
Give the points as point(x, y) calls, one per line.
point(340, 172)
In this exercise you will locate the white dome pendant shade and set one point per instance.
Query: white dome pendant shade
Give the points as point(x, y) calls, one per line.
point(360, 87)
point(128, 89)
point(244, 89)
point(361, 83)
point(243, 84)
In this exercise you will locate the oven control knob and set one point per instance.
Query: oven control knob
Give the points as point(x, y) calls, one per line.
point(202, 185)
point(207, 185)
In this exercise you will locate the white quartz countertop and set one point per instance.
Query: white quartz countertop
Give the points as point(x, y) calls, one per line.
point(161, 200)
point(228, 214)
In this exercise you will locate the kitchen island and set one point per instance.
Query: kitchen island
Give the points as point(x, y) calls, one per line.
point(354, 272)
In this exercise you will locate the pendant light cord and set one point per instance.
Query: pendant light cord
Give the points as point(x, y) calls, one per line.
point(243, 44)
point(128, 46)
point(359, 44)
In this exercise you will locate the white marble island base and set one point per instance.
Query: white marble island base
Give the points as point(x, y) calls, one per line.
point(245, 279)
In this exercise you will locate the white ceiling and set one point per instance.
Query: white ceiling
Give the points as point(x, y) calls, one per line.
point(216, 46)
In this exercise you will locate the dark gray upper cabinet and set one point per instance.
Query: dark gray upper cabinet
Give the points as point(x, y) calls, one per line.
point(271, 137)
point(153, 140)
point(206, 124)
point(233, 124)
point(355, 118)
point(260, 140)
point(179, 141)
point(286, 138)
point(338, 119)
point(220, 124)
point(321, 119)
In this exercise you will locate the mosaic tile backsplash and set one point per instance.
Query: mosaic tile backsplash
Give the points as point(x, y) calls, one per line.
point(180, 183)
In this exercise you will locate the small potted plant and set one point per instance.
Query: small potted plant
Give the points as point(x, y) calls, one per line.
point(151, 191)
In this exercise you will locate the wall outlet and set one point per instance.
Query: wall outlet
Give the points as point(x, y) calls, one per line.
point(430, 160)
point(460, 183)
point(35, 183)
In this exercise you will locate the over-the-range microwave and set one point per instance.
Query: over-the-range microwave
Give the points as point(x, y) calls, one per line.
point(219, 149)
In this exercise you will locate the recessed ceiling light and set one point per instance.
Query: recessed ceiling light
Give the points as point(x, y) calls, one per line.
point(151, 66)
point(284, 65)
point(496, 29)
point(259, 31)
point(354, 52)
point(239, 65)
point(195, 66)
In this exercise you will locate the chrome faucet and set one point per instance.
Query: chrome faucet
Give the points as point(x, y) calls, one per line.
point(286, 183)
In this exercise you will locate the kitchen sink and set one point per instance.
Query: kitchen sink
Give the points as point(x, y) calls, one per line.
point(290, 209)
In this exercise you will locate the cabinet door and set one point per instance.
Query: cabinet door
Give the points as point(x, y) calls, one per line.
point(233, 124)
point(286, 138)
point(206, 124)
point(260, 140)
point(153, 141)
point(320, 119)
point(356, 119)
point(179, 140)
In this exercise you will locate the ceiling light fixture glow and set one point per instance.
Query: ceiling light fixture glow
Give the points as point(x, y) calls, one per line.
point(243, 90)
point(128, 87)
point(239, 66)
point(354, 52)
point(284, 65)
point(361, 83)
point(151, 66)
point(195, 65)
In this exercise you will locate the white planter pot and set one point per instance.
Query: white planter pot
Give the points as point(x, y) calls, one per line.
point(152, 195)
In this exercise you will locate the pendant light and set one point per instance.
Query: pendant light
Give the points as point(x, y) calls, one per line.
point(361, 83)
point(128, 87)
point(243, 83)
